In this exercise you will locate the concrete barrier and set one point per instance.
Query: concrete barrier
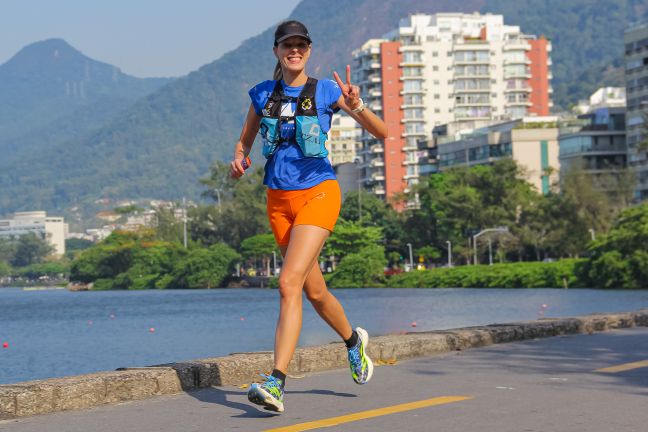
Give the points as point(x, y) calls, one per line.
point(85, 391)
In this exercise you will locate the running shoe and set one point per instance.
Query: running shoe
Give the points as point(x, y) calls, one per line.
point(359, 362)
point(269, 394)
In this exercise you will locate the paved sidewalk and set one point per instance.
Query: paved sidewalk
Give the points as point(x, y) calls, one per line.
point(539, 385)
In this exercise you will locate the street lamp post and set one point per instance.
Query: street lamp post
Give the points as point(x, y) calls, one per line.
point(184, 221)
point(411, 258)
point(490, 252)
point(274, 263)
point(501, 229)
point(449, 243)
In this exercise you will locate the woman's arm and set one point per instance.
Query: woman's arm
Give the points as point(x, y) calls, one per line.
point(350, 100)
point(244, 145)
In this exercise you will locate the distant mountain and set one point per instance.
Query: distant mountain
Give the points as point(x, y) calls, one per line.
point(51, 93)
point(166, 141)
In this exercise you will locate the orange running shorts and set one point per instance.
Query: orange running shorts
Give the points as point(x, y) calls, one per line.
point(318, 205)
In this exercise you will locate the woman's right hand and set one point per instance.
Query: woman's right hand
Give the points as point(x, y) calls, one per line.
point(239, 165)
point(236, 167)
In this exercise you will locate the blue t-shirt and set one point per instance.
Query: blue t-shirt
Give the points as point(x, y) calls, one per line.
point(288, 168)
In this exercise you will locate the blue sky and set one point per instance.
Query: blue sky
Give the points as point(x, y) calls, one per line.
point(144, 38)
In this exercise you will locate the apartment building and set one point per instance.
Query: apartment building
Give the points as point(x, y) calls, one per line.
point(636, 77)
point(469, 70)
point(343, 138)
point(52, 229)
point(531, 141)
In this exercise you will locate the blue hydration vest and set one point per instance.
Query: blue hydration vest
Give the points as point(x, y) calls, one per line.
point(308, 131)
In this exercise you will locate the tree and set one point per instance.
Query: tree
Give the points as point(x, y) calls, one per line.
point(349, 237)
point(203, 267)
point(361, 269)
point(30, 249)
point(619, 259)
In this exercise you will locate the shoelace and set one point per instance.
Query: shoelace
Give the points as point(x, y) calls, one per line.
point(271, 382)
point(354, 357)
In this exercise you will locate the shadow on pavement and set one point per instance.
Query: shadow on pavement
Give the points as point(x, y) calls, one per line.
point(224, 397)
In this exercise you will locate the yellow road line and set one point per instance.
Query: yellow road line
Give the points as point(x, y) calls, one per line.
point(624, 367)
point(333, 421)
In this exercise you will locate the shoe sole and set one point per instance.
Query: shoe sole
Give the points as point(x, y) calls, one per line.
point(258, 396)
point(364, 337)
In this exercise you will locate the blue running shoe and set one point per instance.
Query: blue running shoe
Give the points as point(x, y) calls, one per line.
point(359, 362)
point(269, 394)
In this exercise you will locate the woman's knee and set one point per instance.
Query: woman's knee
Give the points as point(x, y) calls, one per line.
point(290, 285)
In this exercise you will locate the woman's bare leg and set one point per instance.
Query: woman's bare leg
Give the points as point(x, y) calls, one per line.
point(302, 252)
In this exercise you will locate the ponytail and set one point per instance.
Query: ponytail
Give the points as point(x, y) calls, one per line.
point(278, 74)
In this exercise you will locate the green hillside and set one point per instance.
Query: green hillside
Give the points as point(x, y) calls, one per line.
point(51, 93)
point(162, 144)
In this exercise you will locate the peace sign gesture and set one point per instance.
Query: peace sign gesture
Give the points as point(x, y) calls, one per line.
point(350, 92)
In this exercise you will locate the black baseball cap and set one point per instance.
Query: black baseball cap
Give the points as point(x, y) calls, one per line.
point(288, 29)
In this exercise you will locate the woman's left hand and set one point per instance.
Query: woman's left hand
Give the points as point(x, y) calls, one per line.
point(350, 92)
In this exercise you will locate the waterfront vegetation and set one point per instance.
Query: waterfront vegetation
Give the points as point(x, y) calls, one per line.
point(548, 242)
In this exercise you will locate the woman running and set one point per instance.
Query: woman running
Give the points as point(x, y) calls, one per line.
point(293, 113)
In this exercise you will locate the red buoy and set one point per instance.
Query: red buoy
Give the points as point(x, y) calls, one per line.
point(5, 345)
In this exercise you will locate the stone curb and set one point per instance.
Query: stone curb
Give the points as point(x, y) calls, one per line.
point(86, 391)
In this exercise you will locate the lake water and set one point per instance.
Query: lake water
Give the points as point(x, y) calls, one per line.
point(57, 333)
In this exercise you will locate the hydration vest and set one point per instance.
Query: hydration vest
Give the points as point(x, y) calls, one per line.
point(308, 131)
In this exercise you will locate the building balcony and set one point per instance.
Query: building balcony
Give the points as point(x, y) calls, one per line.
point(377, 162)
point(374, 65)
point(517, 46)
point(412, 134)
point(417, 105)
point(410, 63)
point(377, 148)
point(514, 74)
point(471, 90)
point(471, 104)
point(378, 190)
point(525, 61)
point(412, 120)
point(374, 78)
point(417, 91)
point(471, 45)
point(411, 77)
point(377, 176)
point(412, 47)
point(373, 106)
point(519, 103)
point(472, 62)
point(410, 162)
point(471, 75)
point(375, 93)
point(408, 148)
point(523, 89)
point(410, 176)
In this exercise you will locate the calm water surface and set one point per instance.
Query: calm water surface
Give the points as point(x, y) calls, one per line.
point(57, 333)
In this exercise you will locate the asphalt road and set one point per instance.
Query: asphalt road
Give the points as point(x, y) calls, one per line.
point(547, 385)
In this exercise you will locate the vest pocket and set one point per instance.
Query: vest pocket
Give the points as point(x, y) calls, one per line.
point(269, 131)
point(310, 137)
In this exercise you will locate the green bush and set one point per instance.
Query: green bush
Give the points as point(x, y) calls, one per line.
point(514, 275)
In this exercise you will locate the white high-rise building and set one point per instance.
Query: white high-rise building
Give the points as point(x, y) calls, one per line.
point(52, 229)
point(468, 70)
